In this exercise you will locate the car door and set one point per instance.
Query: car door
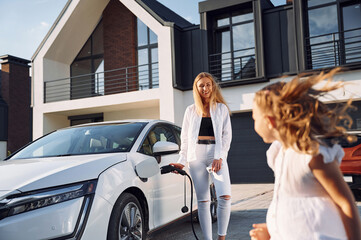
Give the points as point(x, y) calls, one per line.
point(168, 188)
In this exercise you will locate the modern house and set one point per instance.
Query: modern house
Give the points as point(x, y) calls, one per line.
point(119, 59)
point(15, 111)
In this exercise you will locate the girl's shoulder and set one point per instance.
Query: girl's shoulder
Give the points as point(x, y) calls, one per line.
point(272, 153)
point(329, 154)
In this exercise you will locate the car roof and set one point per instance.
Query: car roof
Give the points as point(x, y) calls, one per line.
point(152, 121)
point(354, 132)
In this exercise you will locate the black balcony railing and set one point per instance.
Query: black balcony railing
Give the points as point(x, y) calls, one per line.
point(120, 80)
point(236, 65)
point(334, 49)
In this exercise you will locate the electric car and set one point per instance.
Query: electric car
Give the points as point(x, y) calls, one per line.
point(94, 181)
point(351, 163)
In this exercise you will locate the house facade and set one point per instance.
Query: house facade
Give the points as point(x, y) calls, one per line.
point(121, 59)
point(15, 111)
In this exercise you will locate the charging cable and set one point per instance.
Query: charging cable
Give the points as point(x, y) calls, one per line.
point(169, 168)
point(185, 208)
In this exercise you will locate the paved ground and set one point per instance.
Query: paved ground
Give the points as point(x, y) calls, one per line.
point(249, 205)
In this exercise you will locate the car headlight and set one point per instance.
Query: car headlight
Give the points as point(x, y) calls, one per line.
point(28, 201)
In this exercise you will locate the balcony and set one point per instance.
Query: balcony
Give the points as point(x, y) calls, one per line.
point(134, 78)
point(235, 65)
point(334, 49)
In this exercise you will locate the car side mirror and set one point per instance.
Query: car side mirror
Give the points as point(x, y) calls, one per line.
point(147, 168)
point(163, 148)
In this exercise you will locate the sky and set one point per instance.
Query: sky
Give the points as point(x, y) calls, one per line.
point(24, 23)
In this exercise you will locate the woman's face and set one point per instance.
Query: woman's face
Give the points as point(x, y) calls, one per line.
point(204, 86)
point(263, 125)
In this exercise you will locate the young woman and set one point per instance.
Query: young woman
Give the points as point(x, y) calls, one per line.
point(206, 138)
point(311, 199)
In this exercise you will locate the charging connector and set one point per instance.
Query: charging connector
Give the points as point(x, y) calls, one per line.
point(169, 168)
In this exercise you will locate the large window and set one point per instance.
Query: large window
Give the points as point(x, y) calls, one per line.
point(87, 70)
point(234, 54)
point(147, 49)
point(334, 33)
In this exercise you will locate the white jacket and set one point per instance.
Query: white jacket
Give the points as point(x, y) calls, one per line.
point(190, 129)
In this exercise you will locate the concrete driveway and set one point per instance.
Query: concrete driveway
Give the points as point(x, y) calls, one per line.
point(249, 205)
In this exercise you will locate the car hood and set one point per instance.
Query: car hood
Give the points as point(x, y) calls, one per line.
point(30, 174)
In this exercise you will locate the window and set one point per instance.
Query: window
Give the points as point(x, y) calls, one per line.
point(352, 32)
point(334, 33)
point(234, 55)
point(147, 49)
point(88, 118)
point(158, 133)
point(87, 70)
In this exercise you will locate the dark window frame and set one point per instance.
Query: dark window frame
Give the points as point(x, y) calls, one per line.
point(340, 57)
point(96, 117)
point(92, 57)
point(149, 46)
point(215, 14)
point(229, 27)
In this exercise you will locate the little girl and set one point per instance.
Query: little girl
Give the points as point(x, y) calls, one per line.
point(311, 199)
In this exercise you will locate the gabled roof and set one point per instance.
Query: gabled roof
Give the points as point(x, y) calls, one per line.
point(156, 9)
point(161, 13)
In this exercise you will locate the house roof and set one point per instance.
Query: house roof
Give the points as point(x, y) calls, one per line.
point(12, 59)
point(156, 9)
point(160, 12)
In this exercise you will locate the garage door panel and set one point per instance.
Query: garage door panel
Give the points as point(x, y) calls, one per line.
point(247, 156)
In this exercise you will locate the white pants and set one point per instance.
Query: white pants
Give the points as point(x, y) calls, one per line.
point(222, 183)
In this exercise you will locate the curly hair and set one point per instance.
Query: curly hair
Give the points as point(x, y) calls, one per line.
point(302, 120)
point(216, 96)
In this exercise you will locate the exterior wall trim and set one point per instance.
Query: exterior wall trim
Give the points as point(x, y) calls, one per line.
point(154, 15)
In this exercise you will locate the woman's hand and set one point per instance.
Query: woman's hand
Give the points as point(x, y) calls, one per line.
point(217, 165)
point(177, 165)
point(259, 232)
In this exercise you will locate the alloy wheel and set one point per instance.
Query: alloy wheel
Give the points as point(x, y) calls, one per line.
point(130, 224)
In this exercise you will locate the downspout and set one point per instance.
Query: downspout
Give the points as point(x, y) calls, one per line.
point(32, 99)
point(173, 64)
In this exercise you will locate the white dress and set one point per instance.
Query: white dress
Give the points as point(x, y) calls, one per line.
point(301, 208)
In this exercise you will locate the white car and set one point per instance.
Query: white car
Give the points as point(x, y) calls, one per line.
point(94, 181)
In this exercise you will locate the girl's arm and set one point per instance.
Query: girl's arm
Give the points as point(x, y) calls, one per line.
point(331, 178)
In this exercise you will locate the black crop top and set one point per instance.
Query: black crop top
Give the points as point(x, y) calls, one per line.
point(206, 128)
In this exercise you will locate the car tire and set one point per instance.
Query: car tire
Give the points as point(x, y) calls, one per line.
point(214, 203)
point(127, 219)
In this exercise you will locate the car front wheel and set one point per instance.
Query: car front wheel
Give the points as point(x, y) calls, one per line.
point(126, 220)
point(214, 203)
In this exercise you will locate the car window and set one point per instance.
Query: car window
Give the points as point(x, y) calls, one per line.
point(158, 133)
point(84, 140)
point(345, 144)
point(177, 131)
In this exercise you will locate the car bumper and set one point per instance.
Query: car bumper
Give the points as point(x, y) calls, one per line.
point(58, 220)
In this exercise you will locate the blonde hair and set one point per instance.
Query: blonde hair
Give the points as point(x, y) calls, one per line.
point(300, 117)
point(216, 96)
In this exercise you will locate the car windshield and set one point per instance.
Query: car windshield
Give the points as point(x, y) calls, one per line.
point(83, 140)
point(345, 144)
